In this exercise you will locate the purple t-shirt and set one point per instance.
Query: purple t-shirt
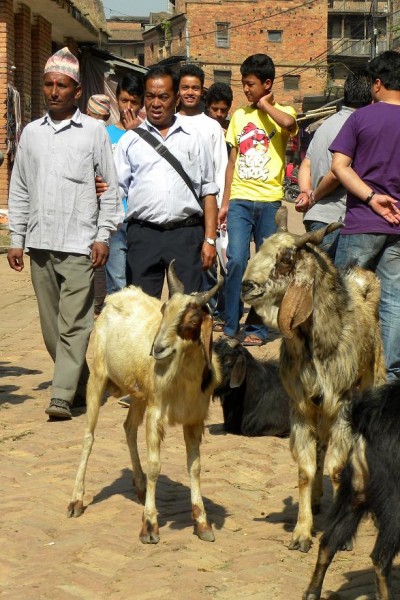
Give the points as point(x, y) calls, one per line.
point(371, 137)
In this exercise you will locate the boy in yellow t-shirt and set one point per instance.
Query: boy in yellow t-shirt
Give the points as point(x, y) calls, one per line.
point(258, 134)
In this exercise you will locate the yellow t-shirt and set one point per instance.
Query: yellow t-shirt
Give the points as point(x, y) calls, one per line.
point(261, 145)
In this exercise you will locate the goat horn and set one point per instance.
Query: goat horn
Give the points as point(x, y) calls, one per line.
point(316, 236)
point(174, 283)
point(281, 219)
point(203, 297)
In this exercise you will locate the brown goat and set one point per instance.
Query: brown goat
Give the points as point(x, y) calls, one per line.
point(159, 354)
point(331, 346)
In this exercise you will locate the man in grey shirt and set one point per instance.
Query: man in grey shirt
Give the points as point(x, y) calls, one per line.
point(55, 216)
point(322, 198)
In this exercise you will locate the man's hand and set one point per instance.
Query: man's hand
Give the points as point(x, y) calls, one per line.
point(208, 256)
point(101, 186)
point(15, 257)
point(385, 206)
point(129, 119)
point(304, 201)
point(222, 215)
point(100, 252)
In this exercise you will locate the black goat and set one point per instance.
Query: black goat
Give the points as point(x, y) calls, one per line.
point(254, 402)
point(370, 483)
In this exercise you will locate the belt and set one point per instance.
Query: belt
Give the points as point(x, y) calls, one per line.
point(191, 221)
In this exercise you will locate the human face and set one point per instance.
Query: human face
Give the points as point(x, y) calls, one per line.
point(130, 102)
point(160, 101)
point(61, 94)
point(190, 91)
point(254, 89)
point(219, 111)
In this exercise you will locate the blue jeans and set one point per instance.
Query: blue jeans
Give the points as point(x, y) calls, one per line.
point(116, 264)
point(381, 254)
point(245, 218)
point(330, 241)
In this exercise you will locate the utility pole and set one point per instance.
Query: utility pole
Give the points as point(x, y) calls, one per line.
point(374, 30)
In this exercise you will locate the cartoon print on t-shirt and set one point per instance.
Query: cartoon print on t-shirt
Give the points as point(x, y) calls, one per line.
point(253, 145)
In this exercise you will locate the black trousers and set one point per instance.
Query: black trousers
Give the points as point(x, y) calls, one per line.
point(150, 251)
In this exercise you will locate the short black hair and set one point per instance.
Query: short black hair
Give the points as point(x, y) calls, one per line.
point(260, 65)
point(357, 90)
point(132, 85)
point(386, 67)
point(162, 71)
point(192, 70)
point(219, 92)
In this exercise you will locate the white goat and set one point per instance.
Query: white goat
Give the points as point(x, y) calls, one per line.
point(159, 354)
point(331, 346)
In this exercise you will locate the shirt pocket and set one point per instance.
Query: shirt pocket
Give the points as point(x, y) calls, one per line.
point(77, 166)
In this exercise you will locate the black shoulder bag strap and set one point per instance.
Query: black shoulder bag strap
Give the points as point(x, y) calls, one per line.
point(165, 153)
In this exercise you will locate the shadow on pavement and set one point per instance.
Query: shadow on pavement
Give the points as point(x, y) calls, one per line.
point(172, 499)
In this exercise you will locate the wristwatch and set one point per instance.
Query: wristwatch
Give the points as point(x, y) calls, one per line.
point(210, 241)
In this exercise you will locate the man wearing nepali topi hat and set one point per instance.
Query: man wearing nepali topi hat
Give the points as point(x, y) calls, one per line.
point(55, 217)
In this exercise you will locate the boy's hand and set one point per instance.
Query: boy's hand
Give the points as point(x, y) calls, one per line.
point(129, 119)
point(265, 101)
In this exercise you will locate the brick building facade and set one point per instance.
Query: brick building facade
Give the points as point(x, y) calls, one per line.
point(220, 34)
point(29, 32)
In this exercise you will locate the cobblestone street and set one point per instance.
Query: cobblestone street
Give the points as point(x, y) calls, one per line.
point(249, 486)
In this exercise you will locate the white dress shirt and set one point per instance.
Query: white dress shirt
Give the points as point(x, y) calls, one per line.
point(156, 192)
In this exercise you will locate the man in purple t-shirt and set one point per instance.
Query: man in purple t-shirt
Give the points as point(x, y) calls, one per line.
point(366, 161)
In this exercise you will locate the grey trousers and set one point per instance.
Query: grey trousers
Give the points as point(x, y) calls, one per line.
point(63, 285)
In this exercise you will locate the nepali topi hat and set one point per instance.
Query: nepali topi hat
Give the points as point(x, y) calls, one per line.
point(99, 104)
point(64, 62)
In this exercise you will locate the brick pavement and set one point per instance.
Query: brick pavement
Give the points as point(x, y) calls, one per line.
point(249, 485)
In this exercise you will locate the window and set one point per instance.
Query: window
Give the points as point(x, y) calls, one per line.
point(222, 35)
point(274, 35)
point(291, 82)
point(223, 77)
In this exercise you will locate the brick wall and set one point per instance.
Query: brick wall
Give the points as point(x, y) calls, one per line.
point(6, 74)
point(303, 41)
point(23, 52)
point(41, 50)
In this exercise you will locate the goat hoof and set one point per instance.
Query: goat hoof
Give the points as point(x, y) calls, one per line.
point(311, 595)
point(347, 546)
point(302, 545)
point(75, 509)
point(205, 532)
point(149, 533)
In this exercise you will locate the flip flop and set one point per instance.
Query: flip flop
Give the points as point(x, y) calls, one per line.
point(253, 340)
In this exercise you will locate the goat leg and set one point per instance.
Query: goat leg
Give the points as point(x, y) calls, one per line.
point(133, 420)
point(193, 435)
point(149, 534)
point(94, 394)
point(303, 445)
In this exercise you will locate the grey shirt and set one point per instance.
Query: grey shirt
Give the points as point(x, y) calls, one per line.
point(52, 200)
point(332, 207)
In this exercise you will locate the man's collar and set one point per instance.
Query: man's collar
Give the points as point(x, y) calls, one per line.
point(76, 118)
point(178, 123)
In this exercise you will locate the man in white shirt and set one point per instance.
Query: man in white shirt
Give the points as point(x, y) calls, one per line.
point(165, 219)
point(211, 134)
point(55, 216)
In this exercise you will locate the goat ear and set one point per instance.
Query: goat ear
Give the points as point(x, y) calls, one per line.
point(295, 308)
point(238, 372)
point(206, 337)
